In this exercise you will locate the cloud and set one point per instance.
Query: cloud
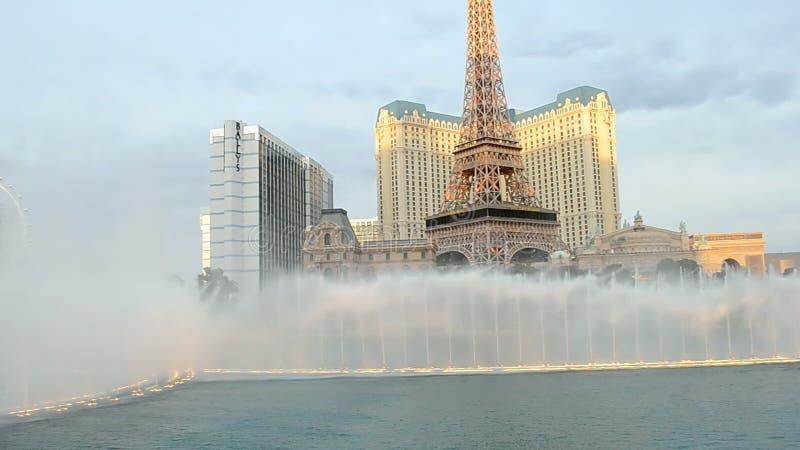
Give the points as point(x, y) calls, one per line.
point(442, 99)
point(665, 50)
point(563, 47)
point(429, 25)
point(7, 164)
point(645, 85)
point(247, 80)
point(772, 87)
point(354, 90)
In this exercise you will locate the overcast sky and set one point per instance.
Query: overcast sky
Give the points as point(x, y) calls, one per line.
point(105, 107)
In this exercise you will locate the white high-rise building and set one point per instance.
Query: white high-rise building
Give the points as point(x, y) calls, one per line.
point(205, 237)
point(263, 195)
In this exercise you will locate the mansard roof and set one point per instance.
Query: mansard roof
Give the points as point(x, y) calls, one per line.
point(339, 218)
point(400, 108)
point(582, 94)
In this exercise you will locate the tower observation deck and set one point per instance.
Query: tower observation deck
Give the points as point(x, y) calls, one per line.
point(490, 211)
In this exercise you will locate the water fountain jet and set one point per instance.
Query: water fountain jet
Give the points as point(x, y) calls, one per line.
point(644, 327)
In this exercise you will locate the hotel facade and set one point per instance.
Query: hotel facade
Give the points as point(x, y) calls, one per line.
point(569, 150)
point(263, 195)
point(642, 248)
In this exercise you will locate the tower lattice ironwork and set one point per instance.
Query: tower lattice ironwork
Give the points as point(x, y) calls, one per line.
point(488, 167)
point(485, 106)
point(490, 210)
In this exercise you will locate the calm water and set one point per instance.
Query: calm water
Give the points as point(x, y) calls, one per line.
point(757, 407)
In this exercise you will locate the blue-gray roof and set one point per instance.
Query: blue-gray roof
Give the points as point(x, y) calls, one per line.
point(582, 94)
point(398, 109)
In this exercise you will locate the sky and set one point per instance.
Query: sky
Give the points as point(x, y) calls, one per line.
point(105, 107)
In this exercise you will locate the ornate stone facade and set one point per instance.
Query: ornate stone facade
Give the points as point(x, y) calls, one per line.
point(505, 236)
point(783, 263)
point(333, 250)
point(642, 247)
point(736, 250)
point(639, 247)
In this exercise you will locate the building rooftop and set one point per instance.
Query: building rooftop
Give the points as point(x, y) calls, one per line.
point(400, 108)
point(582, 94)
point(337, 216)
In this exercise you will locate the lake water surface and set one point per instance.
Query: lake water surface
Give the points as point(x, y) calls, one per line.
point(750, 407)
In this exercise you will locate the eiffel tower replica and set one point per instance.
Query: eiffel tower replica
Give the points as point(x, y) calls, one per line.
point(490, 210)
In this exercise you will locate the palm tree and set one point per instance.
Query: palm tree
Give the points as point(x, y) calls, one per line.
point(213, 283)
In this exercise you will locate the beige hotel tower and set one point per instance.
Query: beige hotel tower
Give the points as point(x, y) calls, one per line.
point(568, 147)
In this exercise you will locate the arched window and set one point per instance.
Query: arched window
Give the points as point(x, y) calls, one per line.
point(327, 239)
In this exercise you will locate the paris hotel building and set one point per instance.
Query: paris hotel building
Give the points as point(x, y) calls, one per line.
point(569, 148)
